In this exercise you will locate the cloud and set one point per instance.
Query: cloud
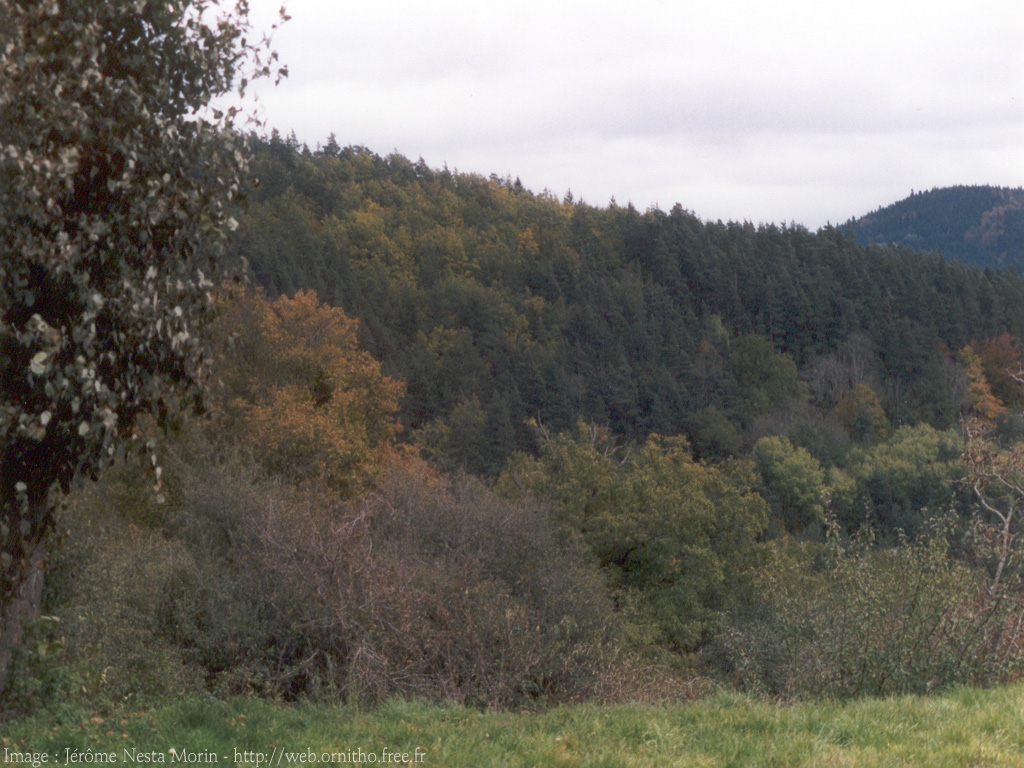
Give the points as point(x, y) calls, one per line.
point(742, 110)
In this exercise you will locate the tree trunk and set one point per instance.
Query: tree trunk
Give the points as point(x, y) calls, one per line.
point(26, 605)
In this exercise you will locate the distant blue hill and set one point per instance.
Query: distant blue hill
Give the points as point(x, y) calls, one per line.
point(979, 225)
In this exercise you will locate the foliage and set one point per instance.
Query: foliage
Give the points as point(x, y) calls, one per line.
point(903, 482)
point(296, 550)
point(43, 674)
point(766, 377)
point(980, 396)
point(807, 426)
point(675, 537)
point(497, 306)
point(299, 389)
point(424, 587)
point(794, 482)
point(909, 619)
point(713, 436)
point(862, 416)
point(1001, 361)
point(117, 178)
point(107, 568)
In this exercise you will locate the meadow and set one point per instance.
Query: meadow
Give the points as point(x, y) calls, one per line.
point(963, 727)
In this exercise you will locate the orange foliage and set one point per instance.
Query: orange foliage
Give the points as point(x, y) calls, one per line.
point(985, 404)
point(302, 394)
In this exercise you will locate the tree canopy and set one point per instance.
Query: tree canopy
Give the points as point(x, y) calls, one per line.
point(496, 306)
point(298, 389)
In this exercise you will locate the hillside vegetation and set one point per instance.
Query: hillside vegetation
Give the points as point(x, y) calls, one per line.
point(979, 225)
point(470, 444)
point(497, 306)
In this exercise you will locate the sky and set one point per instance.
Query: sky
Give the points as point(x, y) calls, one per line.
point(738, 110)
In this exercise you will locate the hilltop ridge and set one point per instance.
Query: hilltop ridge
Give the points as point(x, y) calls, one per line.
point(980, 225)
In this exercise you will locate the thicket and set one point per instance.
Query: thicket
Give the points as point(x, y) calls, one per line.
point(241, 584)
point(848, 619)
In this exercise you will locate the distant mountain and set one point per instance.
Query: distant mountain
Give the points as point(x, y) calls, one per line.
point(978, 225)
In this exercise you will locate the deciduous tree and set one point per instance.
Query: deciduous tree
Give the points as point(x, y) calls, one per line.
point(794, 482)
point(675, 537)
point(117, 174)
point(996, 475)
point(301, 391)
point(862, 416)
point(982, 401)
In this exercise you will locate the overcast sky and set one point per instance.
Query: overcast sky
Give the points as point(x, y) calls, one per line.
point(744, 110)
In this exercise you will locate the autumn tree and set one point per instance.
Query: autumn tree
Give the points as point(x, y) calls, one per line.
point(299, 389)
point(117, 173)
point(980, 396)
point(1000, 362)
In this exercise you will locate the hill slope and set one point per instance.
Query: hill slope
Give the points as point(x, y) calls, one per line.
point(497, 306)
point(980, 225)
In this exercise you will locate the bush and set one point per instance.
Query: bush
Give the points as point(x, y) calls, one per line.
point(41, 676)
point(918, 469)
point(674, 538)
point(239, 583)
point(423, 587)
point(434, 590)
point(96, 642)
point(846, 620)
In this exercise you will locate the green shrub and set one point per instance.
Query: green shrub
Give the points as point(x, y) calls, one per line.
point(918, 468)
point(846, 620)
point(793, 480)
point(41, 676)
point(675, 538)
point(104, 577)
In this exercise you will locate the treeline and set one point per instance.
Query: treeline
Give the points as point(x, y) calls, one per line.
point(497, 306)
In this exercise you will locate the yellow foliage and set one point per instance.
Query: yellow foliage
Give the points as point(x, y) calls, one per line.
point(301, 393)
point(526, 245)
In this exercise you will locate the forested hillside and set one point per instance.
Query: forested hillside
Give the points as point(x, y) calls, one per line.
point(497, 306)
point(455, 441)
point(468, 443)
point(980, 225)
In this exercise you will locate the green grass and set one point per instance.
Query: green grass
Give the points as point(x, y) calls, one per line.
point(965, 727)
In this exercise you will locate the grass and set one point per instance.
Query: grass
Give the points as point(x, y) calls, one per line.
point(965, 727)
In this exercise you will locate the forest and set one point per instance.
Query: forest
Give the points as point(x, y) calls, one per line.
point(979, 225)
point(323, 456)
point(497, 307)
point(470, 443)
